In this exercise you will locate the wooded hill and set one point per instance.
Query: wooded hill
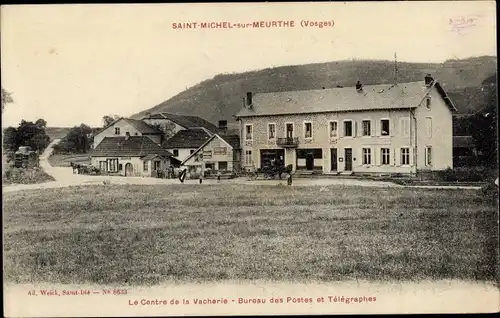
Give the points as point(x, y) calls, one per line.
point(221, 97)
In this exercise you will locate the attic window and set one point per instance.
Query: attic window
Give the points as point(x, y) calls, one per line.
point(117, 130)
point(428, 102)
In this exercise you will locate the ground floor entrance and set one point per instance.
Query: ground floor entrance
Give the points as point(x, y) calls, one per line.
point(333, 159)
point(309, 159)
point(267, 155)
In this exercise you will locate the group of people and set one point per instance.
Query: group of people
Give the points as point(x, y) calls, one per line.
point(168, 173)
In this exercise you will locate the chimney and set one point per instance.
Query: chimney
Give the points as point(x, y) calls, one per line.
point(428, 80)
point(249, 98)
point(223, 125)
point(359, 86)
point(127, 135)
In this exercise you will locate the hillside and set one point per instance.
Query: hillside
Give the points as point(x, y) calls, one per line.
point(221, 97)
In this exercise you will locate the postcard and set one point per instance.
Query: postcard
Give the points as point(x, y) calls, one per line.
point(249, 158)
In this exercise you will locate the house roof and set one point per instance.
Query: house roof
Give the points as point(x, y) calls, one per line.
point(185, 121)
point(223, 138)
point(188, 138)
point(232, 140)
point(372, 97)
point(135, 146)
point(141, 126)
point(463, 142)
point(150, 157)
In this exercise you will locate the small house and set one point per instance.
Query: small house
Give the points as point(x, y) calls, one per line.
point(219, 153)
point(131, 156)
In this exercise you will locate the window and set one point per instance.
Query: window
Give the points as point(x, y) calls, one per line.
point(348, 128)
point(156, 165)
point(248, 157)
point(428, 127)
point(248, 132)
point(220, 150)
point(428, 156)
point(222, 165)
point(103, 166)
point(289, 130)
point(145, 166)
point(271, 131)
point(191, 151)
point(367, 156)
point(384, 123)
point(112, 165)
point(176, 152)
point(308, 130)
point(117, 130)
point(367, 128)
point(428, 102)
point(405, 156)
point(385, 154)
point(136, 134)
point(405, 127)
point(120, 167)
point(333, 129)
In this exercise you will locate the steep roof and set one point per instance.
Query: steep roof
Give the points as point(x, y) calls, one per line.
point(186, 121)
point(135, 146)
point(233, 140)
point(372, 97)
point(188, 138)
point(212, 138)
point(141, 126)
point(463, 142)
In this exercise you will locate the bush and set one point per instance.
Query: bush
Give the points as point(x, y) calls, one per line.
point(15, 175)
point(490, 192)
point(466, 174)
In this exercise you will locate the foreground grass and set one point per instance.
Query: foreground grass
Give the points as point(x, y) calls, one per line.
point(59, 160)
point(151, 234)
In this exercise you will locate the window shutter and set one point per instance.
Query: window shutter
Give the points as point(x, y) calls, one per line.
point(411, 156)
point(377, 155)
point(392, 127)
point(397, 157)
point(341, 128)
point(376, 126)
point(360, 157)
point(372, 128)
point(354, 128)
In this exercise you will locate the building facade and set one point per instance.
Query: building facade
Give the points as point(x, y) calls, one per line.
point(131, 156)
point(219, 153)
point(378, 129)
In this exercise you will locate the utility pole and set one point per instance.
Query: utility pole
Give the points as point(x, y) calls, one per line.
point(395, 69)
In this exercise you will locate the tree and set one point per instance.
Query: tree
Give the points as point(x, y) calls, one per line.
point(484, 124)
point(76, 140)
point(6, 98)
point(27, 134)
point(41, 123)
point(108, 119)
point(168, 129)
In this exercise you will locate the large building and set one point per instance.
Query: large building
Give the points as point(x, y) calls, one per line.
point(376, 129)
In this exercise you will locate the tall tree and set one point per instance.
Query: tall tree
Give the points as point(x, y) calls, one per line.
point(484, 124)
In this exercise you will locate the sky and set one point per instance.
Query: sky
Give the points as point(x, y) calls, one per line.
point(72, 64)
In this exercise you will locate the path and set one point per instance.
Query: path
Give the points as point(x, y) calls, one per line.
point(64, 177)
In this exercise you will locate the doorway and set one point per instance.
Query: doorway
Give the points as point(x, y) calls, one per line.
point(309, 161)
point(348, 159)
point(128, 169)
point(333, 157)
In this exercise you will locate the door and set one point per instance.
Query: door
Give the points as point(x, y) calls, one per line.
point(309, 161)
point(128, 169)
point(348, 159)
point(289, 130)
point(333, 157)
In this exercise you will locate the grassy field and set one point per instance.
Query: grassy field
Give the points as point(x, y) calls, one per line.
point(57, 160)
point(104, 234)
